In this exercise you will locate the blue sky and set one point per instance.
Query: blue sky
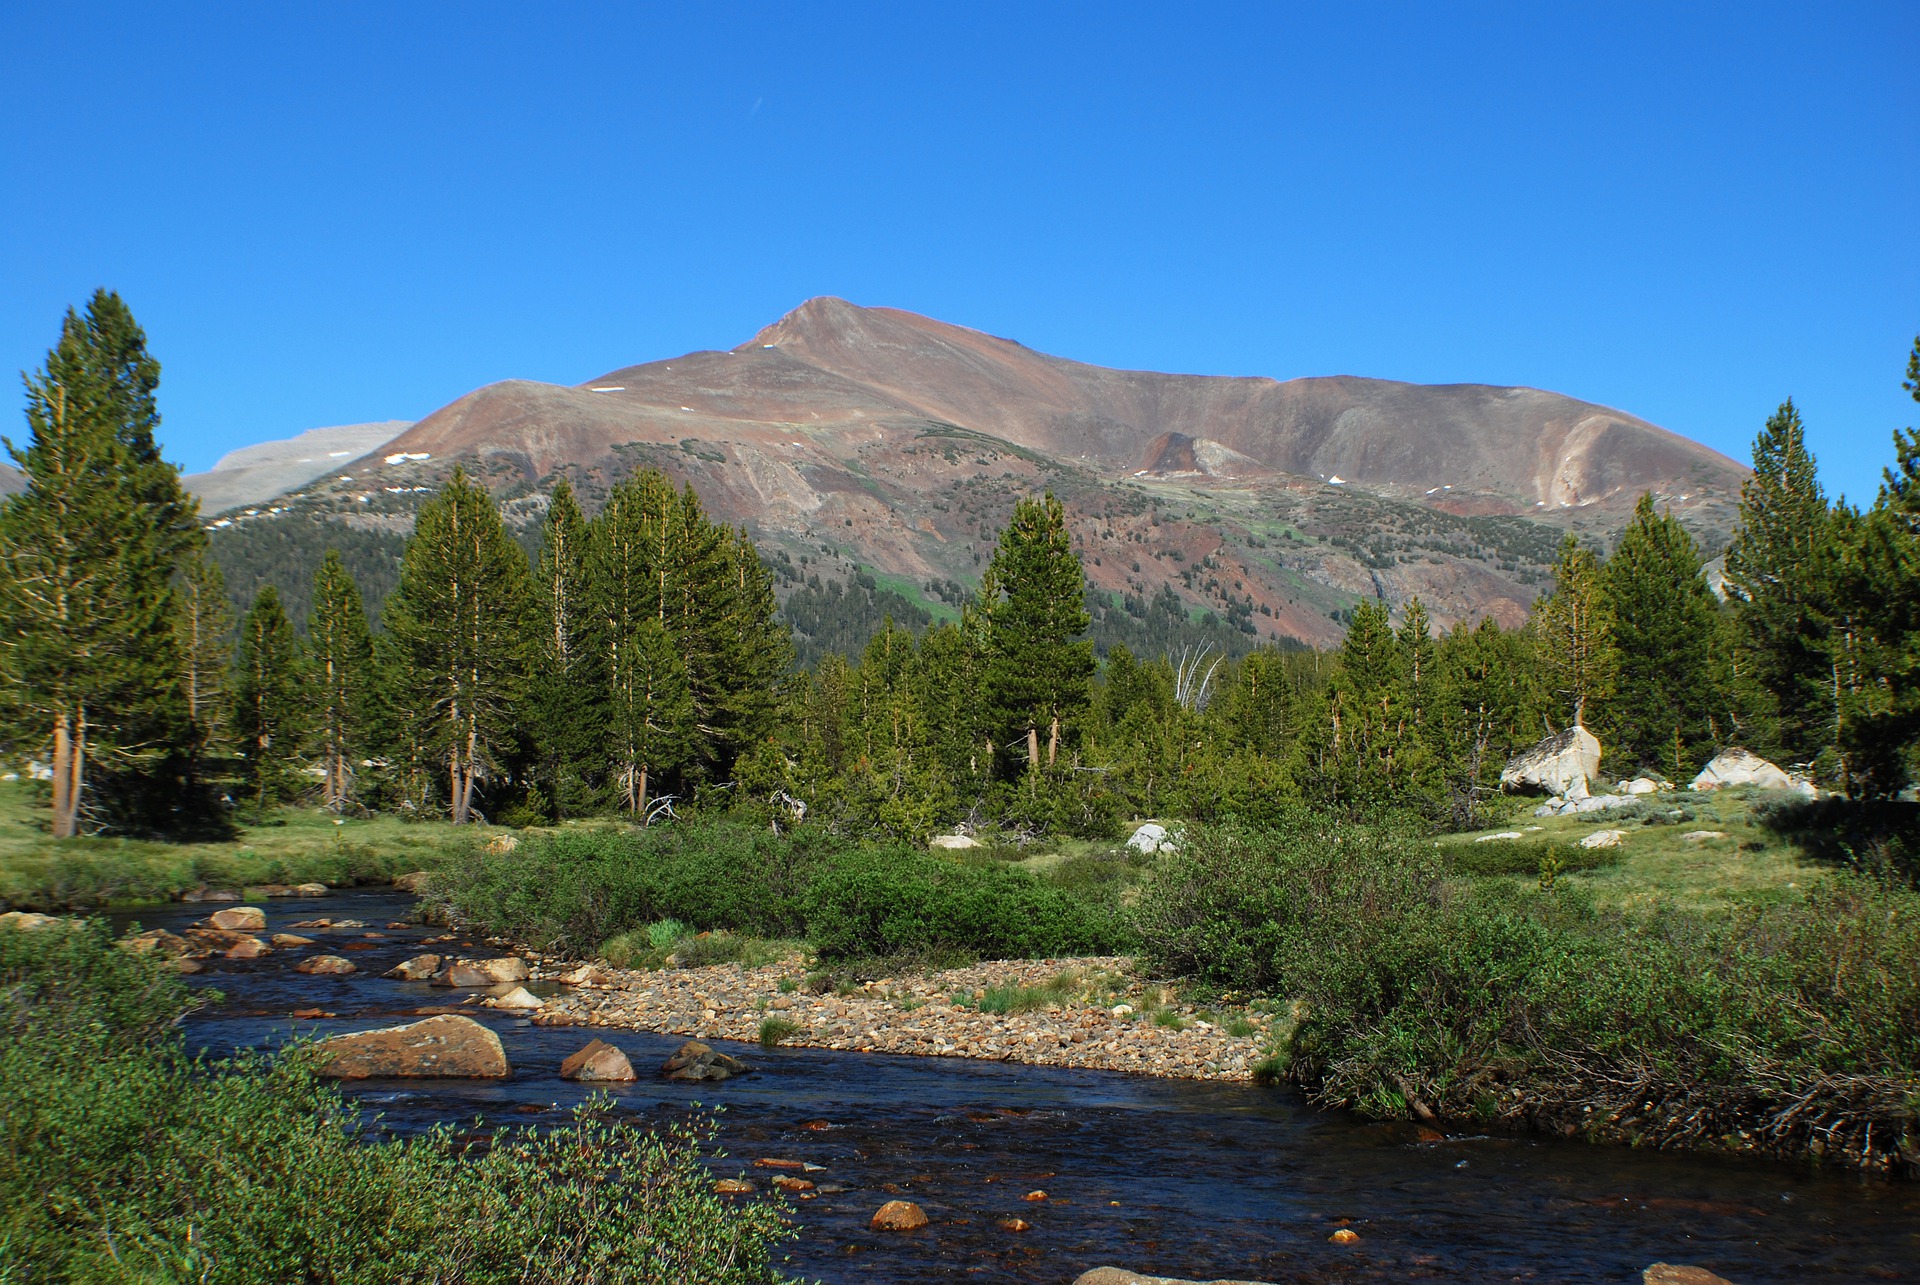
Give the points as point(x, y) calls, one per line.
point(335, 213)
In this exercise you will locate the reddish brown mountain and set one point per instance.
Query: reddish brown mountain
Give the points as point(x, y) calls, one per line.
point(897, 442)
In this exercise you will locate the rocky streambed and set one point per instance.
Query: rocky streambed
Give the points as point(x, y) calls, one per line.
point(1027, 1160)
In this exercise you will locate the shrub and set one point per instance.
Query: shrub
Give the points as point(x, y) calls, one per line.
point(1508, 857)
point(121, 1158)
point(890, 904)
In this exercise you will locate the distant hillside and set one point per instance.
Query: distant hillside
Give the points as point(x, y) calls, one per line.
point(268, 470)
point(853, 440)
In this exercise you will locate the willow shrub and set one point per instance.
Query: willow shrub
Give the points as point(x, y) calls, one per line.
point(124, 1159)
point(1792, 1027)
point(578, 889)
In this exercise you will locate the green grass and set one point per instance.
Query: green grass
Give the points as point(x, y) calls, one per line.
point(775, 1029)
point(298, 845)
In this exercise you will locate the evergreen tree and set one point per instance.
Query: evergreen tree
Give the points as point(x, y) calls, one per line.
point(269, 702)
point(1429, 705)
point(203, 627)
point(1664, 623)
point(88, 555)
point(567, 684)
point(1491, 674)
point(342, 656)
point(1774, 571)
point(652, 711)
point(461, 625)
point(1038, 670)
point(1358, 751)
point(1574, 630)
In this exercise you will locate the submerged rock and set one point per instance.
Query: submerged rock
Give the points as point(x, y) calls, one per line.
point(900, 1215)
point(418, 969)
point(696, 1061)
point(600, 1062)
point(440, 1047)
point(1677, 1274)
point(247, 919)
point(325, 966)
point(1121, 1276)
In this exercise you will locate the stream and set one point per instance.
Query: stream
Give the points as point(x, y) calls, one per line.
point(1172, 1177)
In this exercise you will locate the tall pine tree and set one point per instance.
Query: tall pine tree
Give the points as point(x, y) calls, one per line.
point(88, 555)
point(1664, 624)
point(342, 667)
point(1039, 668)
point(1573, 629)
point(269, 703)
point(461, 624)
point(567, 678)
point(203, 627)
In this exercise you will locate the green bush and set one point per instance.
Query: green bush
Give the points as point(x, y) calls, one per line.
point(1511, 857)
point(1792, 1027)
point(123, 1159)
point(899, 903)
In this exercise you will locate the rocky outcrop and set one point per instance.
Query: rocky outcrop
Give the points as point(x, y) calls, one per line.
point(598, 1062)
point(1741, 767)
point(1561, 764)
point(439, 1047)
point(696, 1061)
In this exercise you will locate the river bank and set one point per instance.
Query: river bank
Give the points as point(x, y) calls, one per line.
point(1088, 1013)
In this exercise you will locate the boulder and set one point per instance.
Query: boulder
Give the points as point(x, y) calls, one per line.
point(251, 948)
point(1120, 1276)
point(695, 1061)
point(289, 941)
point(733, 1187)
point(1604, 839)
point(211, 939)
point(483, 972)
point(28, 920)
point(515, 997)
point(1561, 764)
point(418, 969)
point(155, 941)
point(310, 890)
point(586, 975)
point(1741, 767)
point(1701, 836)
point(1150, 838)
point(414, 883)
point(953, 842)
point(599, 1062)
point(325, 966)
point(1643, 785)
point(898, 1215)
point(445, 1047)
point(245, 919)
point(1676, 1274)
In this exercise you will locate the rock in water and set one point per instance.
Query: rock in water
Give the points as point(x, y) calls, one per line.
point(289, 941)
point(325, 966)
point(418, 969)
point(899, 1215)
point(1675, 1274)
point(445, 1047)
point(599, 1061)
point(516, 997)
point(1120, 1276)
point(251, 948)
point(155, 941)
point(695, 1061)
point(1741, 767)
point(483, 972)
point(1561, 764)
point(245, 919)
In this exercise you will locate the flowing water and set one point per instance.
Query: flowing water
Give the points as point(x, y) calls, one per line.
point(1165, 1176)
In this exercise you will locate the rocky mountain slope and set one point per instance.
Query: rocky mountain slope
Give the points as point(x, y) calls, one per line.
point(848, 437)
point(267, 470)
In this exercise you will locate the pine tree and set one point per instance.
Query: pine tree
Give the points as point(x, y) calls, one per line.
point(88, 555)
point(204, 630)
point(568, 688)
point(1664, 623)
point(1427, 703)
point(1360, 744)
point(461, 624)
point(1495, 701)
point(651, 723)
point(342, 667)
point(1574, 630)
point(1774, 567)
point(269, 702)
point(1039, 670)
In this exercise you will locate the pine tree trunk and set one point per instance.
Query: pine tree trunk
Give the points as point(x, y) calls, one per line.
point(641, 808)
point(1053, 739)
point(63, 811)
point(1033, 750)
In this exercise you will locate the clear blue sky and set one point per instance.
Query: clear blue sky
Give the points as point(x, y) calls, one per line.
point(333, 213)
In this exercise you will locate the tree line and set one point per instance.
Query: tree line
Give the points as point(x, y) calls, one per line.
point(638, 660)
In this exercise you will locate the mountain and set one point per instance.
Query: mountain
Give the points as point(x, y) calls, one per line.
point(848, 438)
point(268, 470)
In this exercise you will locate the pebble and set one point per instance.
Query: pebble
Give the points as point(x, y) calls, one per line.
point(914, 1015)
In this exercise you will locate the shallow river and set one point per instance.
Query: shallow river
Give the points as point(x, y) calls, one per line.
point(1164, 1176)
